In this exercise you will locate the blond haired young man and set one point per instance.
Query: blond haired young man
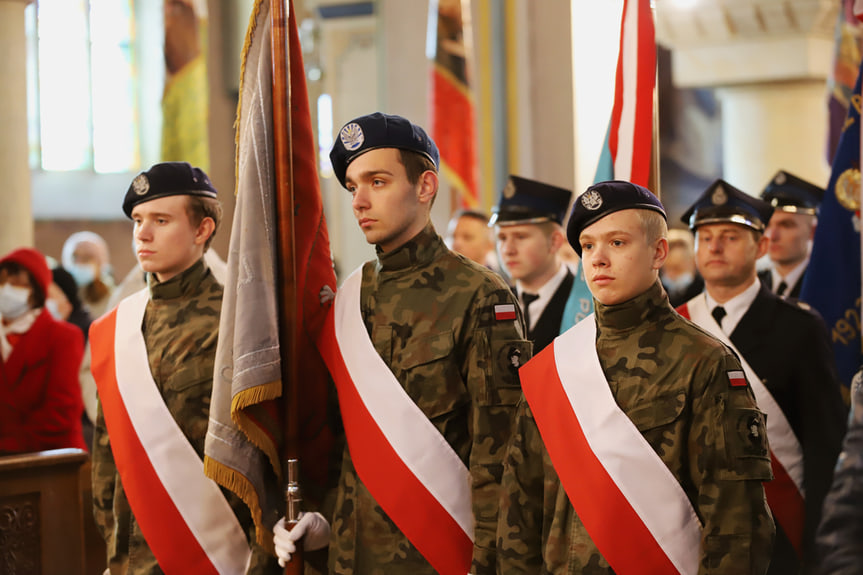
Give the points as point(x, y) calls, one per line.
point(639, 448)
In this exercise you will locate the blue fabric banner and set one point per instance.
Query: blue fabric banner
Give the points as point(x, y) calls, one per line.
point(832, 281)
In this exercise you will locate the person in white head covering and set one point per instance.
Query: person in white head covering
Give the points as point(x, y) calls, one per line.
point(86, 257)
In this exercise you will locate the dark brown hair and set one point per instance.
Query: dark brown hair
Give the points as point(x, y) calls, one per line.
point(198, 208)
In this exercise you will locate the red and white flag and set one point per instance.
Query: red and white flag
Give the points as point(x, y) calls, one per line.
point(630, 137)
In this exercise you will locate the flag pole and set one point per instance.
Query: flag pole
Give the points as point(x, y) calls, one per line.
point(654, 179)
point(282, 18)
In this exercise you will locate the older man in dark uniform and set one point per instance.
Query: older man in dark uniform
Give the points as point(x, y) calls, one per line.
point(785, 351)
point(790, 231)
point(527, 221)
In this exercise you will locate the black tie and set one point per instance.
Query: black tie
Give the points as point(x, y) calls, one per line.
point(527, 299)
point(718, 313)
point(780, 290)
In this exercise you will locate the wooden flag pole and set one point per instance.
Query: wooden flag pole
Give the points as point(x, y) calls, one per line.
point(281, 18)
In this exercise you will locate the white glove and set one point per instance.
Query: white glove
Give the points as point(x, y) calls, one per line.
point(311, 525)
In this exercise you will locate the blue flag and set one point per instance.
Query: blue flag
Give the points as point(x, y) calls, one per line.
point(832, 281)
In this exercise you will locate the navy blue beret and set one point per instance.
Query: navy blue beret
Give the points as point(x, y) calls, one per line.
point(722, 203)
point(379, 131)
point(789, 193)
point(524, 201)
point(167, 179)
point(605, 198)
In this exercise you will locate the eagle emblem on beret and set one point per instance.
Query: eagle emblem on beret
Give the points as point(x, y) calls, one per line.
point(591, 200)
point(352, 136)
point(141, 185)
point(719, 196)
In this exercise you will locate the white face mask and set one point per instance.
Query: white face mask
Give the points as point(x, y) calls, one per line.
point(14, 301)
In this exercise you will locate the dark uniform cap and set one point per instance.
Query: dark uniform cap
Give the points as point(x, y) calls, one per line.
point(524, 201)
point(379, 131)
point(167, 179)
point(605, 198)
point(791, 194)
point(722, 203)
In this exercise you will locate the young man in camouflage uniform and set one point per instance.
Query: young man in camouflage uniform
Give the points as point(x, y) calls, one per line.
point(668, 478)
point(175, 214)
point(450, 336)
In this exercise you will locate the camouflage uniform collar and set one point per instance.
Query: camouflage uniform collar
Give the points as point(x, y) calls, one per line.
point(183, 283)
point(626, 316)
point(421, 249)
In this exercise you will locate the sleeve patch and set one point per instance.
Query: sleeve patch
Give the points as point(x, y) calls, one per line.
point(504, 312)
point(737, 378)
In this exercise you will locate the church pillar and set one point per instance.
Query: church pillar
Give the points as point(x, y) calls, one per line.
point(16, 216)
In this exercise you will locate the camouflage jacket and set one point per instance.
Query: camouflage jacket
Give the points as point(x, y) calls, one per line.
point(180, 327)
point(671, 379)
point(841, 530)
point(430, 314)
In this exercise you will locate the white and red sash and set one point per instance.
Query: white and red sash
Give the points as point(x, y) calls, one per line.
point(785, 493)
point(631, 504)
point(401, 457)
point(183, 515)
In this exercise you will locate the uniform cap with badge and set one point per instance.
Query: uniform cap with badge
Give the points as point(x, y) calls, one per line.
point(167, 179)
point(375, 131)
point(604, 198)
point(525, 201)
point(791, 194)
point(722, 203)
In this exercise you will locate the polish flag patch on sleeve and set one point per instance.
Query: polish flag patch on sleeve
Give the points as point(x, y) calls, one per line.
point(736, 379)
point(504, 311)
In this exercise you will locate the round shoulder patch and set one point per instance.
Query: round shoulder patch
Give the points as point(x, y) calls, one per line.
point(591, 200)
point(141, 185)
point(352, 136)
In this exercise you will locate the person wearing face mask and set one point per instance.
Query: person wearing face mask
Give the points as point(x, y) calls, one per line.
point(41, 404)
point(86, 257)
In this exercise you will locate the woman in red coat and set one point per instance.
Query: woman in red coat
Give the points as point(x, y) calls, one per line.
point(40, 397)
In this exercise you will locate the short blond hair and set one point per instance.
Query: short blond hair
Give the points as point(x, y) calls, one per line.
point(654, 225)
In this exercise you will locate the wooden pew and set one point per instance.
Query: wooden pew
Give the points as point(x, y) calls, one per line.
point(42, 513)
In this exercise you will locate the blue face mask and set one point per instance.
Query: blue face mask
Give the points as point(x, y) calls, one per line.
point(82, 274)
point(14, 301)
